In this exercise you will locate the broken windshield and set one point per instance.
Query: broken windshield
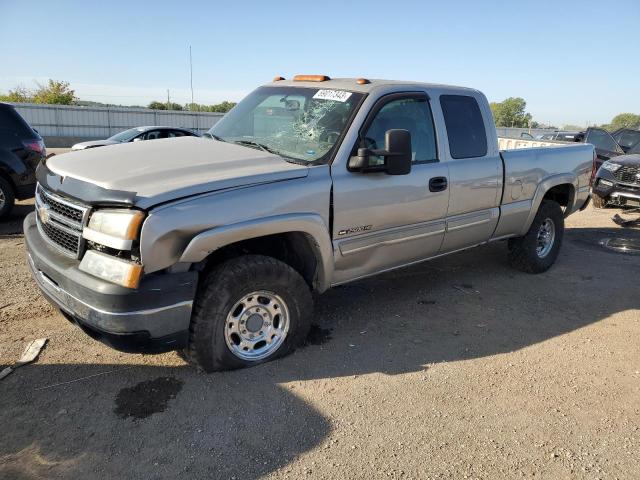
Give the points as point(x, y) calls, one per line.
point(303, 124)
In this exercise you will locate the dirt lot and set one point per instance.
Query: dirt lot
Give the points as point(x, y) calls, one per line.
point(456, 368)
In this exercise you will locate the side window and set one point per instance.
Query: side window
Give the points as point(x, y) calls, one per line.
point(176, 133)
point(152, 135)
point(413, 114)
point(465, 126)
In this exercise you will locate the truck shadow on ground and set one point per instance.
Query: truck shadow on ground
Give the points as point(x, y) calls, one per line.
point(12, 225)
point(152, 421)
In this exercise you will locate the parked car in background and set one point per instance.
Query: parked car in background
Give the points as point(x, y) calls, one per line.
point(21, 150)
point(306, 184)
point(137, 134)
point(627, 138)
point(560, 136)
point(605, 144)
point(617, 181)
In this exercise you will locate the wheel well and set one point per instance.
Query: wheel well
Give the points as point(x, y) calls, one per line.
point(562, 194)
point(296, 249)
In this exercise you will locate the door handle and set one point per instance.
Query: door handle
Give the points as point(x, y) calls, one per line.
point(438, 184)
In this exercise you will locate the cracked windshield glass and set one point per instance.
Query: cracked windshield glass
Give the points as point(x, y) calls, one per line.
point(300, 124)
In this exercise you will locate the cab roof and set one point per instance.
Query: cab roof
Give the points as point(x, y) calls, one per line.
point(352, 85)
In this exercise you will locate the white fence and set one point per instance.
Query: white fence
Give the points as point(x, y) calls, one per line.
point(102, 122)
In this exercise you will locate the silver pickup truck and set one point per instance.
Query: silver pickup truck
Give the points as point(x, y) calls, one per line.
point(214, 246)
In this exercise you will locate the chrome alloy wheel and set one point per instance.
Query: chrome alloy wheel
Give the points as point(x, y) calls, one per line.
point(546, 238)
point(3, 199)
point(257, 325)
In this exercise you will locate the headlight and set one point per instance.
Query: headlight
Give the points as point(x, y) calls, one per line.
point(612, 167)
point(114, 228)
point(112, 269)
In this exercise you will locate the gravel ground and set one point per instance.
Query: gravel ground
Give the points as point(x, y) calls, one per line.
point(456, 368)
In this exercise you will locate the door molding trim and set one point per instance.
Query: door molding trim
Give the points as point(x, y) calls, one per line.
point(390, 236)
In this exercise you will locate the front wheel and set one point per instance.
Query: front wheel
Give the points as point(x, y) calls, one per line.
point(598, 201)
point(7, 198)
point(249, 310)
point(538, 249)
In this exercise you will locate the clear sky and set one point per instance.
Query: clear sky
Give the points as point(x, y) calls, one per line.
point(572, 61)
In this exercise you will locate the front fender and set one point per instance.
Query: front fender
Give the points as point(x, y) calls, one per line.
point(207, 242)
point(542, 189)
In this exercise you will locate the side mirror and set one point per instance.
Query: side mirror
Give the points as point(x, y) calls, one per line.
point(397, 155)
point(138, 139)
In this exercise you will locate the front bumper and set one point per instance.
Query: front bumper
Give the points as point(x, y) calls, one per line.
point(617, 193)
point(153, 318)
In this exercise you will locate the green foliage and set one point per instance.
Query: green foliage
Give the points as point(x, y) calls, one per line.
point(163, 106)
point(17, 95)
point(511, 113)
point(219, 107)
point(55, 92)
point(624, 120)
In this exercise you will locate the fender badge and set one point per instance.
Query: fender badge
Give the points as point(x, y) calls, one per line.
point(362, 228)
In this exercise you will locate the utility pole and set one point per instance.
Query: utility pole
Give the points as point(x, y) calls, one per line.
point(191, 74)
point(168, 101)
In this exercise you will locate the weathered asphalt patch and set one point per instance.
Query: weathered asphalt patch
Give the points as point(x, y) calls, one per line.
point(147, 398)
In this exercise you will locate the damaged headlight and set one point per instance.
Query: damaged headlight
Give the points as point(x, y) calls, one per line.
point(115, 270)
point(115, 228)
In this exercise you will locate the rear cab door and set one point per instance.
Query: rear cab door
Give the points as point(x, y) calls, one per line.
point(475, 169)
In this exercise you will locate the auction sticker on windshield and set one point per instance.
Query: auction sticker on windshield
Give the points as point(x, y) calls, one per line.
point(335, 95)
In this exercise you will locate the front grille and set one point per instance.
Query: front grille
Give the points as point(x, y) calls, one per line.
point(628, 174)
point(63, 239)
point(60, 221)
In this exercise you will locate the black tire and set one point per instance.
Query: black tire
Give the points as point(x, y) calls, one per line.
point(523, 254)
point(598, 201)
point(222, 287)
point(6, 193)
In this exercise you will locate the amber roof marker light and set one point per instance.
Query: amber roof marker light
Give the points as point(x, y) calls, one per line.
point(278, 78)
point(363, 81)
point(311, 78)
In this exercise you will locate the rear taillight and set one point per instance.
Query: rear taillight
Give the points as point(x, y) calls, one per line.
point(35, 146)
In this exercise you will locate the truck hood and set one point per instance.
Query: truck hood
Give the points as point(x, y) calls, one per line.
point(162, 170)
point(632, 159)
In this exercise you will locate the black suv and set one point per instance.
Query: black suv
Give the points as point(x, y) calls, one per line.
point(21, 150)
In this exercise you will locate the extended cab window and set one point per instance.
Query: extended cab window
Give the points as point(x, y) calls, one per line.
point(413, 114)
point(465, 126)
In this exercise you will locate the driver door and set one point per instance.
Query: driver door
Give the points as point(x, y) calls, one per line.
point(383, 221)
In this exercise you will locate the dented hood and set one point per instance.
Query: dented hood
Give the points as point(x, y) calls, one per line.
point(162, 170)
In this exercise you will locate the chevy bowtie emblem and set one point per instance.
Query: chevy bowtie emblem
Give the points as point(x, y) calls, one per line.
point(43, 213)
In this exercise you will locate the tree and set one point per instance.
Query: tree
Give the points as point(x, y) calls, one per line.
point(55, 92)
point(511, 113)
point(163, 106)
point(219, 107)
point(625, 120)
point(223, 107)
point(17, 95)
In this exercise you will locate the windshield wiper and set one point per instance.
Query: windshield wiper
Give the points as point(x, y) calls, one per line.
point(261, 146)
point(286, 158)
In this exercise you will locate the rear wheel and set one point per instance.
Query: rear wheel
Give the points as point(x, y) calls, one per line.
point(7, 198)
point(538, 249)
point(249, 310)
point(598, 201)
